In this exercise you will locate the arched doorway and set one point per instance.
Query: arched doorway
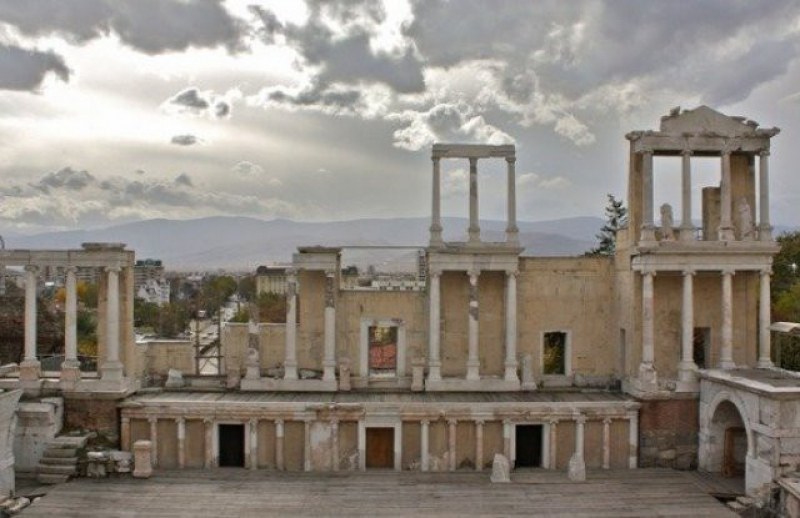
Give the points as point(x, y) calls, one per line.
point(728, 443)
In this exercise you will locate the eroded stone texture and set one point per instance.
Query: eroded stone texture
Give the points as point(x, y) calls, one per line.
point(142, 465)
point(501, 469)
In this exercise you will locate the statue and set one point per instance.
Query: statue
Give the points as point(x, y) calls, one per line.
point(746, 230)
point(501, 469)
point(667, 232)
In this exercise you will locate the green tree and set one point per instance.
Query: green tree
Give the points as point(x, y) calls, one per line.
point(616, 218)
point(272, 308)
point(247, 287)
point(215, 292)
point(786, 264)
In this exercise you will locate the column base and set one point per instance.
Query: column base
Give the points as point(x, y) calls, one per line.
point(765, 364)
point(512, 236)
point(111, 371)
point(329, 370)
point(435, 371)
point(687, 372)
point(648, 378)
point(765, 233)
point(290, 370)
point(727, 365)
point(253, 372)
point(686, 234)
point(648, 234)
point(70, 372)
point(511, 372)
point(576, 471)
point(726, 234)
point(473, 370)
point(30, 370)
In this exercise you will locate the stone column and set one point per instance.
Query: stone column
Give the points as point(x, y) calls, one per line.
point(507, 440)
point(253, 443)
point(577, 464)
point(436, 211)
point(181, 426)
point(208, 446)
point(451, 444)
point(764, 228)
point(687, 369)
point(725, 225)
point(764, 321)
point(647, 371)
point(633, 439)
point(434, 361)
point(30, 368)
point(329, 362)
point(125, 433)
point(553, 443)
point(70, 367)
point(290, 358)
point(279, 465)
point(726, 352)
point(607, 443)
point(307, 444)
point(473, 362)
point(687, 227)
point(512, 231)
point(112, 368)
point(474, 227)
point(153, 440)
point(424, 431)
point(511, 328)
point(478, 444)
point(335, 444)
point(648, 229)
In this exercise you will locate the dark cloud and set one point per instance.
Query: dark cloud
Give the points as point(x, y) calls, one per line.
point(190, 98)
point(184, 140)
point(151, 26)
point(25, 69)
point(184, 179)
point(67, 178)
point(323, 98)
point(222, 109)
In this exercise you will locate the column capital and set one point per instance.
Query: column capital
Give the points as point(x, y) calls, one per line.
point(125, 419)
point(689, 271)
point(649, 271)
point(479, 422)
point(180, 420)
point(473, 161)
point(607, 420)
point(764, 152)
point(728, 271)
point(71, 269)
point(208, 420)
point(152, 420)
point(512, 273)
point(436, 159)
point(645, 150)
point(511, 159)
point(330, 273)
point(112, 269)
point(580, 419)
point(633, 415)
point(765, 272)
point(686, 152)
point(553, 421)
point(334, 421)
point(506, 422)
point(31, 268)
point(452, 421)
point(279, 421)
point(253, 421)
point(425, 422)
point(473, 276)
point(435, 272)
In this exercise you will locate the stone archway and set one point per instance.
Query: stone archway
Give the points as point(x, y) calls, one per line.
point(725, 437)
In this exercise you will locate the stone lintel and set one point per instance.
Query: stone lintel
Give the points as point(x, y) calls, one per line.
point(472, 151)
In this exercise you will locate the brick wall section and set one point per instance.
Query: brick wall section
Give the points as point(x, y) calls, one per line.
point(96, 415)
point(668, 433)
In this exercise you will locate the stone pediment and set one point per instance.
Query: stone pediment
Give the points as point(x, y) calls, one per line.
point(704, 120)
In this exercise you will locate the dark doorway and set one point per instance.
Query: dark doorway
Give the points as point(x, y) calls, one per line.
point(701, 346)
point(380, 448)
point(529, 446)
point(231, 445)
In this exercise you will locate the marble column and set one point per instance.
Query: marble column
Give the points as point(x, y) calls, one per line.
point(473, 361)
point(279, 463)
point(764, 227)
point(633, 439)
point(335, 444)
point(253, 425)
point(474, 227)
point(511, 328)
point(290, 354)
point(553, 444)
point(577, 464)
point(153, 440)
point(725, 224)
point(70, 367)
point(687, 369)
point(451, 444)
point(424, 437)
point(181, 426)
point(434, 361)
point(607, 443)
point(764, 321)
point(647, 372)
point(125, 434)
point(30, 368)
point(507, 440)
point(478, 445)
point(726, 352)
point(112, 368)
point(512, 231)
point(307, 444)
point(687, 227)
point(436, 211)
point(208, 443)
point(329, 362)
point(648, 228)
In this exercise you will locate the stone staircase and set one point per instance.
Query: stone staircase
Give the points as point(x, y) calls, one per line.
point(60, 459)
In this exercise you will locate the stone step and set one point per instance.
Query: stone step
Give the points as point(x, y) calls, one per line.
point(56, 469)
point(59, 461)
point(746, 500)
point(735, 506)
point(50, 478)
point(60, 452)
point(69, 441)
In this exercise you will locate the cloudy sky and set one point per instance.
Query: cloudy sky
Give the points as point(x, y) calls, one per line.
point(120, 110)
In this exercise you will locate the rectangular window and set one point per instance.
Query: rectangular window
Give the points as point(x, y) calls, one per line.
point(555, 353)
point(383, 351)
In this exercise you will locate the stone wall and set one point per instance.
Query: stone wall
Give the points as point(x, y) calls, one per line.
point(38, 422)
point(8, 408)
point(668, 433)
point(89, 412)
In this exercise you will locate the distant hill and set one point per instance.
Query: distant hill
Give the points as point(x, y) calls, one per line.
point(243, 243)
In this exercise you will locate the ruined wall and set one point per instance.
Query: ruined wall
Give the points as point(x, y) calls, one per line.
point(412, 447)
point(573, 295)
point(167, 443)
point(86, 412)
point(491, 333)
point(155, 358)
point(348, 445)
point(668, 433)
point(294, 445)
point(311, 328)
point(235, 340)
point(195, 443)
point(454, 288)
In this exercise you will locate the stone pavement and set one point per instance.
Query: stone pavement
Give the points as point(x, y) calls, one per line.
point(236, 492)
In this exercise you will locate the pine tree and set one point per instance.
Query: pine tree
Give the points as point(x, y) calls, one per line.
point(616, 218)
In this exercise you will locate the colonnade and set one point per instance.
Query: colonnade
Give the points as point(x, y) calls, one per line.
point(687, 368)
point(473, 361)
point(726, 223)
